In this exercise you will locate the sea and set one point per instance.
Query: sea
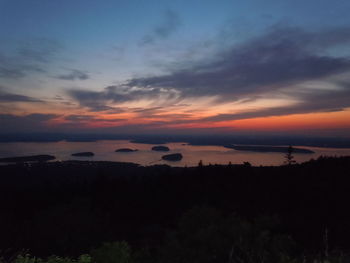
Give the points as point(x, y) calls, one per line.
point(104, 150)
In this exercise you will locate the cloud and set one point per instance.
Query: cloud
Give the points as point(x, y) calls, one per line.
point(74, 74)
point(99, 100)
point(167, 27)
point(25, 123)
point(281, 57)
point(323, 101)
point(15, 68)
point(30, 56)
point(147, 110)
point(90, 118)
point(265, 65)
point(277, 62)
point(79, 117)
point(41, 50)
point(9, 97)
point(8, 70)
point(95, 101)
point(6, 97)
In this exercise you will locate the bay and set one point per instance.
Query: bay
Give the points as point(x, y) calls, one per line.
point(192, 154)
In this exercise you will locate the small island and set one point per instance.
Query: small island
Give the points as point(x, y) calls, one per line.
point(32, 158)
point(125, 150)
point(160, 148)
point(84, 154)
point(172, 157)
point(263, 148)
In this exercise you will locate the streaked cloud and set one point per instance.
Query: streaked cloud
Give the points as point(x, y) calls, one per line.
point(42, 50)
point(27, 123)
point(280, 57)
point(30, 56)
point(169, 24)
point(15, 68)
point(10, 97)
point(277, 62)
point(99, 100)
point(90, 118)
point(74, 74)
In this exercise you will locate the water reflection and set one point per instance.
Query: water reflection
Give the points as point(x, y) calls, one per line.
point(105, 151)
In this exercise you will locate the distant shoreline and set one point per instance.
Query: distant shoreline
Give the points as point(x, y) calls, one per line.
point(267, 148)
point(198, 140)
point(212, 141)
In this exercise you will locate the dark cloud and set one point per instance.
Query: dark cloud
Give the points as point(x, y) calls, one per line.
point(91, 99)
point(41, 50)
point(143, 110)
point(9, 97)
point(26, 123)
point(268, 64)
point(283, 56)
point(168, 26)
point(15, 68)
point(30, 56)
point(79, 117)
point(323, 101)
point(11, 73)
point(74, 74)
point(97, 101)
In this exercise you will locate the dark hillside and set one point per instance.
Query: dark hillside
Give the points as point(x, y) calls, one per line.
point(67, 208)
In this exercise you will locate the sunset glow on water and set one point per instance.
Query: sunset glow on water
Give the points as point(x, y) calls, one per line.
point(105, 151)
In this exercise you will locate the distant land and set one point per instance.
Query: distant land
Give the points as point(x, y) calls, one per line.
point(160, 148)
point(218, 140)
point(33, 158)
point(84, 154)
point(263, 148)
point(172, 157)
point(125, 150)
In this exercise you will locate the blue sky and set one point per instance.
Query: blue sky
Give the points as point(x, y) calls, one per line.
point(61, 49)
point(95, 32)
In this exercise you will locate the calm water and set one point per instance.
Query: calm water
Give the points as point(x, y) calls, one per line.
point(105, 151)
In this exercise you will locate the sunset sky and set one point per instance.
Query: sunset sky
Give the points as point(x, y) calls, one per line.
point(191, 66)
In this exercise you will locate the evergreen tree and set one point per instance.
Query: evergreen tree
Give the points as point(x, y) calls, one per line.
point(289, 157)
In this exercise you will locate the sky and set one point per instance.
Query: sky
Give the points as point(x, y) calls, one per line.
point(177, 67)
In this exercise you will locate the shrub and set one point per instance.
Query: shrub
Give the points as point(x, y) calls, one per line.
point(204, 235)
point(117, 252)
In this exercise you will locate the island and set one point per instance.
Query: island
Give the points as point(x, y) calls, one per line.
point(264, 148)
point(172, 157)
point(32, 158)
point(125, 150)
point(84, 154)
point(160, 148)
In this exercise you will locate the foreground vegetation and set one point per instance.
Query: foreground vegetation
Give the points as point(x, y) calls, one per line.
point(113, 212)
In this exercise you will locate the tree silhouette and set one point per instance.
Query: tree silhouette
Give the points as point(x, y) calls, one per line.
point(289, 157)
point(200, 164)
